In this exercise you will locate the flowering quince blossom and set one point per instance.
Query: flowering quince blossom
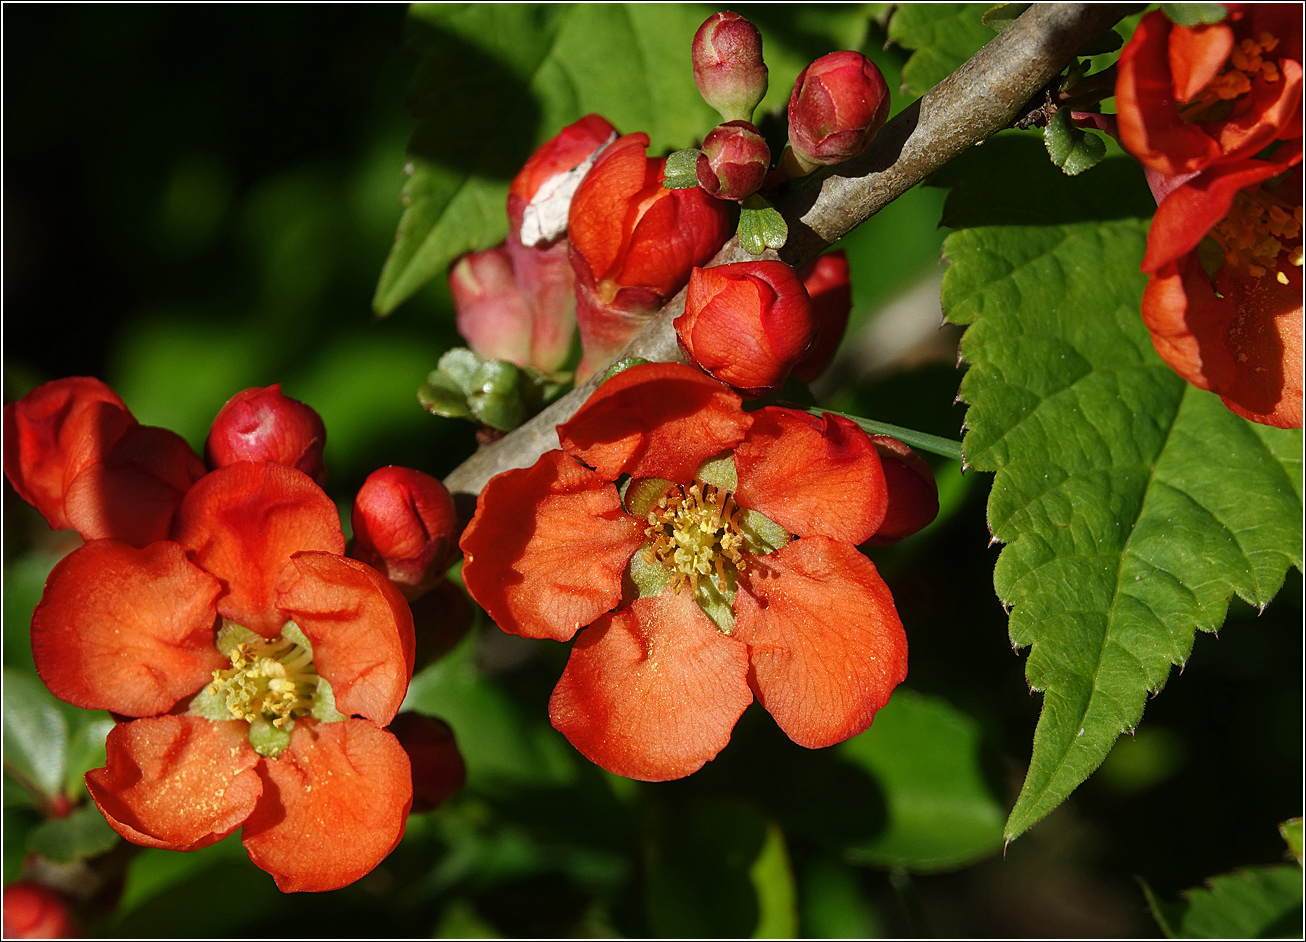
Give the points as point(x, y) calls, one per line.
point(633, 244)
point(830, 290)
point(405, 526)
point(74, 451)
point(746, 324)
point(838, 105)
point(1224, 298)
point(258, 665)
point(711, 553)
point(1188, 97)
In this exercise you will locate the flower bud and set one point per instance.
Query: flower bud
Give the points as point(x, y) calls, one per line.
point(262, 424)
point(913, 492)
point(733, 161)
point(827, 283)
point(633, 244)
point(34, 911)
point(438, 767)
point(728, 67)
point(493, 317)
point(746, 324)
point(405, 526)
point(540, 195)
point(838, 104)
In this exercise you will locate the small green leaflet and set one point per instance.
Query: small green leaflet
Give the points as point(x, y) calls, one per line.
point(1133, 506)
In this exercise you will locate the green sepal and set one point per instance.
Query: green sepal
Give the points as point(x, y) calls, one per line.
point(761, 226)
point(648, 578)
point(1195, 14)
point(681, 171)
point(267, 740)
point(295, 635)
point(762, 535)
point(719, 471)
point(324, 703)
point(210, 704)
point(231, 634)
point(718, 601)
point(640, 495)
point(1071, 148)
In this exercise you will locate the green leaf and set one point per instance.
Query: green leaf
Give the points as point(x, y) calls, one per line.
point(941, 814)
point(1000, 16)
point(773, 880)
point(1195, 14)
point(942, 35)
point(1132, 504)
point(82, 834)
point(1072, 149)
point(681, 171)
point(35, 734)
point(1253, 903)
point(761, 226)
point(1292, 836)
point(495, 81)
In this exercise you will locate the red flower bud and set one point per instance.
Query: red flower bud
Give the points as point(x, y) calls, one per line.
point(438, 767)
point(541, 193)
point(746, 324)
point(493, 317)
point(262, 424)
point(913, 492)
point(839, 103)
point(406, 527)
point(34, 911)
point(728, 67)
point(827, 284)
point(733, 161)
point(633, 244)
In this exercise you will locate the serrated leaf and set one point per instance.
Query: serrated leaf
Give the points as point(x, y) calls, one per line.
point(1195, 14)
point(1072, 149)
point(942, 37)
point(761, 226)
point(497, 80)
point(925, 755)
point(1253, 903)
point(999, 16)
point(1132, 504)
point(35, 734)
point(82, 834)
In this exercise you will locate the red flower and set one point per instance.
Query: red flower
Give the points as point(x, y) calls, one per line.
point(262, 424)
point(1224, 300)
point(35, 911)
point(746, 324)
point(274, 722)
point(75, 452)
point(913, 492)
point(633, 245)
point(1189, 97)
point(838, 105)
point(405, 526)
point(831, 292)
point(697, 594)
point(438, 767)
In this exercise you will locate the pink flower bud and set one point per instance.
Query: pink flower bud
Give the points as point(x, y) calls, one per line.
point(728, 67)
point(438, 767)
point(827, 283)
point(262, 424)
point(493, 317)
point(733, 161)
point(746, 324)
point(913, 492)
point(633, 244)
point(405, 526)
point(34, 911)
point(839, 103)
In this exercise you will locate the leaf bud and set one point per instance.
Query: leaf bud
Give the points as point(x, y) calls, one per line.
point(733, 161)
point(728, 67)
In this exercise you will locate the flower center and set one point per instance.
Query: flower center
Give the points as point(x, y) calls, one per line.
point(694, 531)
point(273, 681)
point(1246, 62)
point(1257, 230)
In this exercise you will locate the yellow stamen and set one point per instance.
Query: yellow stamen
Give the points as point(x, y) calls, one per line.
point(694, 531)
point(1260, 234)
point(1247, 62)
point(273, 680)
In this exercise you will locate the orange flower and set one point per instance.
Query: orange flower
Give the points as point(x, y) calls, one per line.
point(1189, 97)
point(712, 554)
point(1224, 300)
point(259, 665)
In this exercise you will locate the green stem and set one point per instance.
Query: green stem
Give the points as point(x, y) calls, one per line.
point(934, 444)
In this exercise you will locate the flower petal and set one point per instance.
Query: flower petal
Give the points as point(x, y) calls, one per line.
point(654, 420)
point(125, 629)
point(547, 547)
point(596, 223)
point(652, 691)
point(243, 522)
point(176, 782)
point(361, 630)
point(826, 644)
point(134, 492)
point(334, 805)
point(812, 475)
